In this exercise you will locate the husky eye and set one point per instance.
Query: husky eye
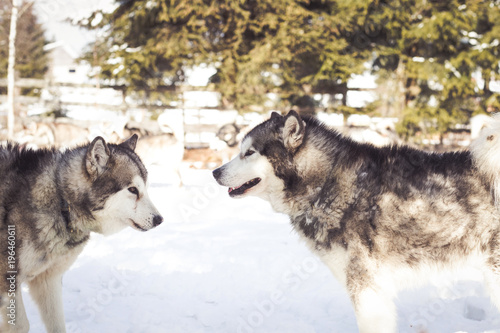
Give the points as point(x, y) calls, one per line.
point(133, 190)
point(249, 152)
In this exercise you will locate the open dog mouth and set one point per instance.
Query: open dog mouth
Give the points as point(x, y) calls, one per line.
point(234, 191)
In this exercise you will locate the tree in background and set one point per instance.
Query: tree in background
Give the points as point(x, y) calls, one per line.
point(23, 53)
point(291, 48)
point(440, 48)
point(31, 58)
point(487, 54)
point(431, 53)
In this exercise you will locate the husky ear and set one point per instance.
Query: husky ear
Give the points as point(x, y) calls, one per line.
point(275, 114)
point(130, 143)
point(97, 157)
point(293, 131)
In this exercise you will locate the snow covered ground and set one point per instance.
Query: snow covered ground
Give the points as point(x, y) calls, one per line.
point(224, 265)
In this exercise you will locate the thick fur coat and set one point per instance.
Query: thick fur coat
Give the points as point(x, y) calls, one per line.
point(50, 202)
point(381, 219)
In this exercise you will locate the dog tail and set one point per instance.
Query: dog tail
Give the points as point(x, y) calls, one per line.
point(485, 150)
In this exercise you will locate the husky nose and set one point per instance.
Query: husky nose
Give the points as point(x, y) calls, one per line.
point(217, 173)
point(157, 220)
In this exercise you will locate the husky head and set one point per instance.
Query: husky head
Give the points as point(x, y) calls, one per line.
point(265, 165)
point(113, 190)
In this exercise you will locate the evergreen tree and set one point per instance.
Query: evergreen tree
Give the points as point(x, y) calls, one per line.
point(486, 52)
point(430, 51)
point(257, 46)
point(31, 59)
point(440, 46)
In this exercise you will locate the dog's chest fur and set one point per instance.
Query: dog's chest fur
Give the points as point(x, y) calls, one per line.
point(34, 261)
point(56, 243)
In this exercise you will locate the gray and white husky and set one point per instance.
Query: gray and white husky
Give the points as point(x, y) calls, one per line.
point(50, 202)
point(382, 219)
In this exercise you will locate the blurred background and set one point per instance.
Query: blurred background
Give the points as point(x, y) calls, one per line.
point(191, 77)
point(196, 74)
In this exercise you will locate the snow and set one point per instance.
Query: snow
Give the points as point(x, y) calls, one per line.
point(199, 76)
point(360, 99)
point(363, 81)
point(224, 265)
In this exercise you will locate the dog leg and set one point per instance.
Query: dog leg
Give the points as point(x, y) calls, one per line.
point(46, 290)
point(492, 282)
point(375, 312)
point(178, 174)
point(14, 320)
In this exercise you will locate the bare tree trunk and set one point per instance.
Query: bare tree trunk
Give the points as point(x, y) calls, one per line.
point(96, 63)
point(400, 91)
point(11, 69)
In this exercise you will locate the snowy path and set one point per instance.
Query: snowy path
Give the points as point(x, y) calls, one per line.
point(224, 265)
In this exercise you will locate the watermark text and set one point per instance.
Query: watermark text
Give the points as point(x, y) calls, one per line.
point(11, 274)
